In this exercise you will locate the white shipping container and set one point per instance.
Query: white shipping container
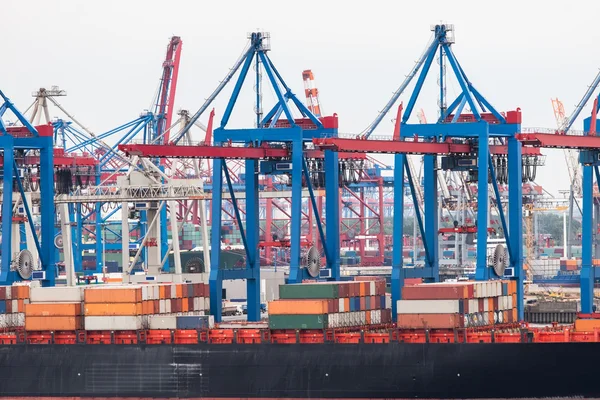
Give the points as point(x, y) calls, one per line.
point(510, 304)
point(376, 316)
point(56, 294)
point(486, 305)
point(173, 291)
point(5, 321)
point(18, 319)
point(372, 288)
point(168, 306)
point(428, 306)
point(341, 305)
point(8, 293)
point(206, 303)
point(498, 288)
point(162, 321)
point(363, 317)
point(15, 305)
point(117, 323)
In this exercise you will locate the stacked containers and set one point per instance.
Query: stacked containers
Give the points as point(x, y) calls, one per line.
point(114, 308)
point(458, 305)
point(329, 305)
point(54, 309)
point(131, 307)
point(13, 300)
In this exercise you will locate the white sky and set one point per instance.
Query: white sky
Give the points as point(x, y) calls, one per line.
point(107, 55)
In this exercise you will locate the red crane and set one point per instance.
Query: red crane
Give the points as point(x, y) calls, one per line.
point(168, 86)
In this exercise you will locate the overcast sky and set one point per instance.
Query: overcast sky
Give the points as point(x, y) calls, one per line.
point(107, 55)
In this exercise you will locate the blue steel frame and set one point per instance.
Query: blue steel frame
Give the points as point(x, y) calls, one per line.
point(266, 132)
point(44, 144)
point(146, 124)
point(480, 132)
point(588, 271)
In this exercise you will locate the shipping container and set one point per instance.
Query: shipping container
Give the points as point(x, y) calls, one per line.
point(298, 321)
point(117, 323)
point(103, 309)
point(309, 291)
point(195, 321)
point(53, 323)
point(433, 292)
point(113, 294)
point(52, 309)
point(430, 307)
point(430, 321)
point(57, 294)
point(162, 322)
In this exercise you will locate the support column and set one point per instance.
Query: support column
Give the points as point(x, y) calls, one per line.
point(99, 238)
point(47, 212)
point(175, 238)
point(6, 277)
point(515, 218)
point(296, 213)
point(205, 237)
point(398, 233)
point(215, 276)
point(332, 212)
point(252, 233)
point(67, 243)
point(595, 227)
point(587, 276)
point(431, 214)
point(78, 250)
point(125, 235)
point(482, 271)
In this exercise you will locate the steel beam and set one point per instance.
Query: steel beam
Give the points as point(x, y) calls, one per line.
point(398, 233)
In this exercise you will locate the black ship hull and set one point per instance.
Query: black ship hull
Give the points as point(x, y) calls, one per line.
point(397, 370)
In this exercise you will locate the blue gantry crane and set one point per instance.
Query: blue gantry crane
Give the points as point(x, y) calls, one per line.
point(26, 138)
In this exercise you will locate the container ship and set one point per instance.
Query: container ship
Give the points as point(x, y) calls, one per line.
point(321, 340)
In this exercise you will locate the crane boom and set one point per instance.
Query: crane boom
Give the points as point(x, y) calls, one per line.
point(311, 92)
point(399, 91)
point(582, 103)
point(168, 86)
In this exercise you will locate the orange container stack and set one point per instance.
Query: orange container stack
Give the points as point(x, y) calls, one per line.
point(457, 305)
point(129, 307)
point(53, 317)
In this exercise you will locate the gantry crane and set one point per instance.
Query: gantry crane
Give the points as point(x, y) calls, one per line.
point(311, 92)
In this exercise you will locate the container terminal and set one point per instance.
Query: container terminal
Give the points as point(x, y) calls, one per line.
point(286, 259)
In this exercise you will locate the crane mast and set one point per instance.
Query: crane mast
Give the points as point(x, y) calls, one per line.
point(311, 92)
point(168, 86)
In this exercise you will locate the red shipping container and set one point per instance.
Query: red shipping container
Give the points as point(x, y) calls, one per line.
point(363, 303)
point(343, 290)
point(168, 291)
point(431, 292)
point(2, 292)
point(480, 304)
point(374, 303)
point(190, 304)
point(495, 304)
point(430, 321)
point(363, 278)
point(330, 306)
point(412, 281)
point(336, 305)
point(9, 307)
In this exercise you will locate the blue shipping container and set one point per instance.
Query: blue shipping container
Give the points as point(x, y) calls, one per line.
point(2, 307)
point(382, 302)
point(193, 322)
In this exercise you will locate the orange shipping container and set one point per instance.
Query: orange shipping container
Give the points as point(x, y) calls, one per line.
point(587, 325)
point(298, 307)
point(185, 306)
point(162, 292)
point(52, 309)
point(53, 323)
point(347, 304)
point(113, 295)
point(362, 289)
point(437, 291)
point(515, 316)
point(430, 321)
point(368, 317)
point(21, 305)
point(178, 291)
point(103, 309)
